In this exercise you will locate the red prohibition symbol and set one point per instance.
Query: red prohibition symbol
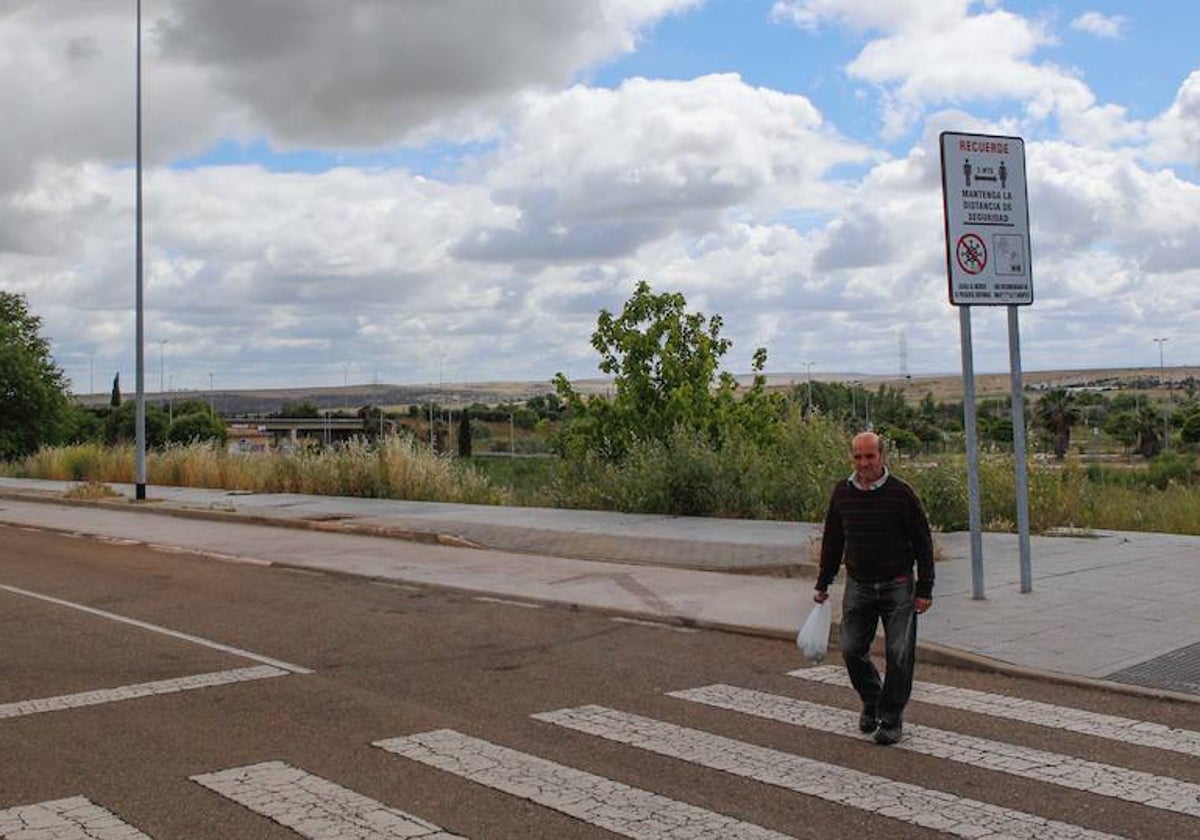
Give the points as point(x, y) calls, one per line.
point(971, 253)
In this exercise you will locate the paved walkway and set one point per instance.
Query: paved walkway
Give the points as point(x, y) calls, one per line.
point(1114, 606)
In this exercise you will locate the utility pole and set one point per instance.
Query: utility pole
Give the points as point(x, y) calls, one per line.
point(1166, 407)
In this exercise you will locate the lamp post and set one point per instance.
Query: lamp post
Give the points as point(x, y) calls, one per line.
point(140, 414)
point(1166, 408)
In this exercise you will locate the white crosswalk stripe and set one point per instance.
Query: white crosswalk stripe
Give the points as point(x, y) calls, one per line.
point(314, 807)
point(131, 692)
point(1112, 727)
point(1065, 771)
point(319, 809)
point(74, 818)
point(616, 807)
point(954, 815)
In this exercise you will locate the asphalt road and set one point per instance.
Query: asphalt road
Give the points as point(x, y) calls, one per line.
point(312, 670)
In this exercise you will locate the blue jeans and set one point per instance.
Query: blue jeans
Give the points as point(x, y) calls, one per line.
point(864, 605)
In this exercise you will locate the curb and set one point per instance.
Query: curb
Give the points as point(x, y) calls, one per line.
point(932, 653)
point(126, 505)
point(337, 525)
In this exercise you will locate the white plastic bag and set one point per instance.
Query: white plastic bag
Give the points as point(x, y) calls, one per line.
point(813, 638)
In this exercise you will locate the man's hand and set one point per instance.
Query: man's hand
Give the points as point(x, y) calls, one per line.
point(820, 596)
point(922, 604)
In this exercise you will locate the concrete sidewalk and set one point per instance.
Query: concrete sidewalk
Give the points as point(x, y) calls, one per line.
point(1109, 606)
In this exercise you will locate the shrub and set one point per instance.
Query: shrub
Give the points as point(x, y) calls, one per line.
point(198, 426)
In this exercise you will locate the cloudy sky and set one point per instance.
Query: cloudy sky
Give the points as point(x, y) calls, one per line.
point(412, 191)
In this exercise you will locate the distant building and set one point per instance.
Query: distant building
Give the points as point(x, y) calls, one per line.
point(244, 437)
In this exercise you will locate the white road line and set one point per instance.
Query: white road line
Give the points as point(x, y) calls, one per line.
point(175, 634)
point(616, 807)
point(508, 602)
point(314, 807)
point(1052, 768)
point(656, 624)
point(908, 803)
point(114, 540)
point(1112, 727)
point(65, 819)
point(131, 692)
point(209, 555)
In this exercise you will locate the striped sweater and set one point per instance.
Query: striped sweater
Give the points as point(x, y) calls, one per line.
point(878, 533)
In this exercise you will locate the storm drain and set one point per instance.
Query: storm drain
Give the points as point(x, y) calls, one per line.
point(1178, 670)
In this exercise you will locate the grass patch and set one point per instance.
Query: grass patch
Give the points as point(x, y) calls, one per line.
point(525, 479)
point(91, 491)
point(789, 480)
point(399, 468)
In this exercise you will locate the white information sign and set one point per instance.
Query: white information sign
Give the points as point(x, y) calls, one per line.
point(987, 220)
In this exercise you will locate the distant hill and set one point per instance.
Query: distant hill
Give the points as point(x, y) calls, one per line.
point(353, 397)
point(943, 387)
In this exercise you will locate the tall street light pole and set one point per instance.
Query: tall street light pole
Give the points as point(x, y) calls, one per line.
point(1166, 408)
point(140, 421)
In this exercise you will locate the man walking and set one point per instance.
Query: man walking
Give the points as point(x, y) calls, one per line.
point(876, 524)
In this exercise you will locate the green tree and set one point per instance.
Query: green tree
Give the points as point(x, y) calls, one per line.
point(1057, 411)
point(83, 424)
point(33, 389)
point(1150, 429)
point(1138, 427)
point(545, 406)
point(664, 362)
point(192, 407)
point(1190, 429)
point(115, 400)
point(1122, 424)
point(120, 424)
point(299, 410)
point(196, 426)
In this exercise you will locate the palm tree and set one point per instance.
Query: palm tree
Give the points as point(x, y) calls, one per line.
point(1057, 411)
point(1149, 428)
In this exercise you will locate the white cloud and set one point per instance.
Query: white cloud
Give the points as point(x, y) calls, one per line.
point(1175, 134)
point(599, 173)
point(945, 53)
point(367, 72)
point(748, 199)
point(866, 15)
point(359, 73)
point(1101, 25)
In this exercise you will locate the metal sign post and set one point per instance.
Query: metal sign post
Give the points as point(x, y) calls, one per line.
point(970, 428)
point(1022, 470)
point(988, 263)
